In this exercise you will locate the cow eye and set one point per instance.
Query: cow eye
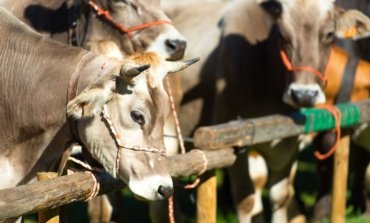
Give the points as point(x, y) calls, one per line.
point(329, 37)
point(137, 117)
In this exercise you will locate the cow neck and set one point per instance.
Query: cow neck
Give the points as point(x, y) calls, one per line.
point(72, 93)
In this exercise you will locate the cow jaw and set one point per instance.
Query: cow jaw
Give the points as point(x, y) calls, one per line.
point(148, 178)
point(152, 188)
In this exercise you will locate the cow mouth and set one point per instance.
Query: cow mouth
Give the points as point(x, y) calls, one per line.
point(304, 96)
point(152, 188)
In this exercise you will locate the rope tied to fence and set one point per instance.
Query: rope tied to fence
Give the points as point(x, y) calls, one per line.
point(96, 187)
point(204, 169)
point(335, 112)
point(183, 151)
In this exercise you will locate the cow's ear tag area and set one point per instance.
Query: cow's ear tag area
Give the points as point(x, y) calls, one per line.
point(352, 24)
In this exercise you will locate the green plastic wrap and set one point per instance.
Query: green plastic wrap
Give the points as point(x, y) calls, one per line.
point(321, 119)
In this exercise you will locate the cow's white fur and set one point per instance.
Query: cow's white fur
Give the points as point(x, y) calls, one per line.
point(143, 187)
point(320, 99)
point(170, 139)
point(9, 175)
point(322, 5)
point(279, 195)
point(258, 172)
point(325, 6)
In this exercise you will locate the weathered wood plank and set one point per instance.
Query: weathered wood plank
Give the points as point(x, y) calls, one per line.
point(339, 191)
point(259, 130)
point(63, 190)
point(49, 215)
point(207, 198)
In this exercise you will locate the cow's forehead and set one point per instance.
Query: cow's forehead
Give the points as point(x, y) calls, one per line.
point(311, 9)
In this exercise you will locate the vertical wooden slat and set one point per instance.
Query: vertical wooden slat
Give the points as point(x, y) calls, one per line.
point(207, 198)
point(338, 209)
point(50, 215)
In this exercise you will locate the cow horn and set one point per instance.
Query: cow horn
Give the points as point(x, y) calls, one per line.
point(133, 71)
point(180, 65)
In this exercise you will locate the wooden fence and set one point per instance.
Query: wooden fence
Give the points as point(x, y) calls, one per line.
point(216, 143)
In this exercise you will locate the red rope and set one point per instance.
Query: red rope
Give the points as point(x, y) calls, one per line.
point(171, 213)
point(337, 117)
point(332, 109)
point(290, 67)
point(106, 15)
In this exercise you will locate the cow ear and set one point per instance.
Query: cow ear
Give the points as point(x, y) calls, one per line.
point(352, 24)
point(274, 8)
point(90, 101)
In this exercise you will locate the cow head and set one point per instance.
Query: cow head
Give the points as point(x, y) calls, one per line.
point(138, 106)
point(308, 29)
point(161, 38)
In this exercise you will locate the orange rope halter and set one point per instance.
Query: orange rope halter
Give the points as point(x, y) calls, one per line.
point(332, 109)
point(290, 67)
point(105, 14)
point(337, 117)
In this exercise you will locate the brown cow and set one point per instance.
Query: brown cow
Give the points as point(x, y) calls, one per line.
point(252, 81)
point(57, 18)
point(37, 75)
point(76, 22)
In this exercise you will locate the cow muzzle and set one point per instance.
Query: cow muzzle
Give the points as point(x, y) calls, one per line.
point(152, 188)
point(170, 44)
point(175, 48)
point(302, 96)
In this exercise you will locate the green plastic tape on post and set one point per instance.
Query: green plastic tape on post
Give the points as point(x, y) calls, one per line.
point(321, 119)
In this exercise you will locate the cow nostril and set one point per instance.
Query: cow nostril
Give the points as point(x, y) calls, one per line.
point(176, 48)
point(296, 95)
point(304, 98)
point(171, 44)
point(165, 192)
point(313, 94)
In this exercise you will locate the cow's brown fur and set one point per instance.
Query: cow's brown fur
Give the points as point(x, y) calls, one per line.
point(35, 74)
point(51, 18)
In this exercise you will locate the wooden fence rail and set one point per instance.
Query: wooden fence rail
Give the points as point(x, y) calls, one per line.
point(259, 130)
point(265, 129)
point(63, 190)
point(215, 142)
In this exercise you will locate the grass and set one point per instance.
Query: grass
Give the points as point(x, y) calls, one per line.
point(136, 211)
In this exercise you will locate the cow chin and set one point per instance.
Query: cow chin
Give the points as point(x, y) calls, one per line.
point(304, 95)
point(170, 45)
point(152, 188)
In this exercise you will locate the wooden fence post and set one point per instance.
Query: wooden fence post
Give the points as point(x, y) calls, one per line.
point(50, 215)
point(338, 210)
point(207, 198)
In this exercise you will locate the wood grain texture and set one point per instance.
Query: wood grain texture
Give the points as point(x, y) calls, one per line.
point(259, 130)
point(339, 191)
point(49, 215)
point(63, 190)
point(207, 198)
